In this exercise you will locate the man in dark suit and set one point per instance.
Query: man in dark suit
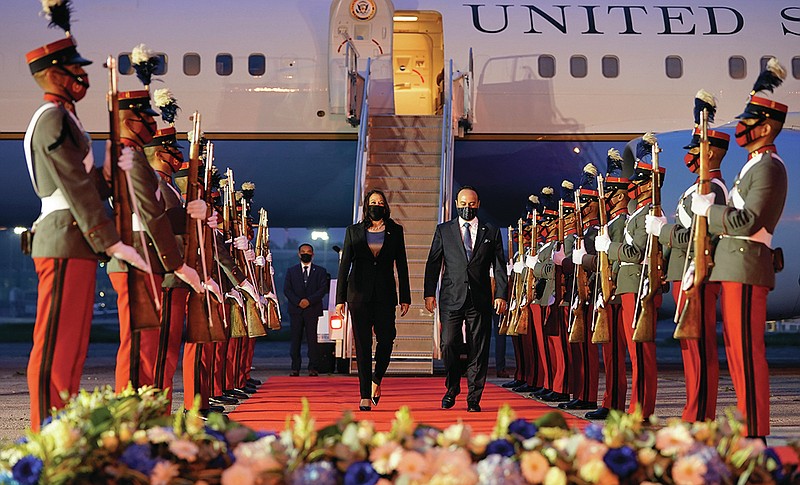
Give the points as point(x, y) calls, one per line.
point(463, 250)
point(305, 286)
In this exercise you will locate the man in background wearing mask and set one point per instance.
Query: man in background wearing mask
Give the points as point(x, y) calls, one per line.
point(305, 286)
point(463, 250)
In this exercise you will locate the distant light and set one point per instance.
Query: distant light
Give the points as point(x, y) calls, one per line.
point(315, 235)
point(576, 150)
point(19, 230)
point(405, 18)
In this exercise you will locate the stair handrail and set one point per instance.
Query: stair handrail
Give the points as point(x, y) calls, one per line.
point(467, 116)
point(361, 150)
point(351, 81)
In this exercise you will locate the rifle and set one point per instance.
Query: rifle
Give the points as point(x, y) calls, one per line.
point(522, 320)
point(555, 317)
point(601, 332)
point(581, 295)
point(203, 321)
point(504, 319)
point(144, 305)
point(646, 311)
point(251, 273)
point(529, 278)
point(238, 321)
point(264, 273)
point(689, 312)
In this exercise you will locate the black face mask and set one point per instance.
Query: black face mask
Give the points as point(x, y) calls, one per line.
point(306, 258)
point(467, 213)
point(376, 212)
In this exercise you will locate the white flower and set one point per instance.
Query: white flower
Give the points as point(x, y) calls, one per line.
point(385, 458)
point(456, 434)
point(673, 440)
point(555, 476)
point(141, 53)
point(163, 473)
point(163, 97)
point(184, 449)
point(160, 435)
point(350, 437)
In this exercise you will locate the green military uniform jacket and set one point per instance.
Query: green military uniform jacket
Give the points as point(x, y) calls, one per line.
point(629, 252)
point(676, 237)
point(754, 209)
point(62, 166)
point(165, 255)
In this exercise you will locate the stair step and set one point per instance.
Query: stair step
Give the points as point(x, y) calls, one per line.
point(406, 121)
point(379, 169)
point(415, 211)
point(405, 133)
point(391, 184)
point(398, 145)
point(405, 158)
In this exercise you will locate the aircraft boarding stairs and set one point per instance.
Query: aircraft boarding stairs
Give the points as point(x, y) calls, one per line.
point(404, 160)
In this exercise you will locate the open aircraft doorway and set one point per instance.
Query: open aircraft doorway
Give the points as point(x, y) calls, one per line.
point(418, 62)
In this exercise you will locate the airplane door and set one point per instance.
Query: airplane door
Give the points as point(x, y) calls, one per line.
point(368, 23)
point(418, 62)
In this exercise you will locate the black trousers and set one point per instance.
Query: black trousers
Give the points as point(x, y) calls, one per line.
point(479, 330)
point(304, 323)
point(369, 317)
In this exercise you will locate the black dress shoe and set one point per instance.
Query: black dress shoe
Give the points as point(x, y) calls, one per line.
point(364, 407)
point(541, 392)
point(577, 404)
point(473, 407)
point(313, 373)
point(254, 382)
point(556, 397)
point(247, 389)
point(599, 413)
point(514, 383)
point(216, 409)
point(294, 373)
point(448, 401)
point(236, 394)
point(223, 400)
point(524, 388)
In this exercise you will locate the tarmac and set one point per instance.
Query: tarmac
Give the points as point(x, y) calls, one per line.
point(272, 358)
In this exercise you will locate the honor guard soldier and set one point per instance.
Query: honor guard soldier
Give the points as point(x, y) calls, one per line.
point(138, 350)
point(700, 359)
point(72, 231)
point(585, 354)
point(614, 204)
point(631, 254)
point(744, 258)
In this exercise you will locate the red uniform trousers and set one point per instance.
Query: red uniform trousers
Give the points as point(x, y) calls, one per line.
point(138, 350)
point(644, 374)
point(233, 369)
point(220, 367)
point(529, 354)
point(173, 315)
point(586, 363)
point(614, 362)
point(559, 352)
point(519, 358)
point(197, 360)
point(248, 364)
point(61, 332)
point(542, 348)
point(700, 359)
point(744, 314)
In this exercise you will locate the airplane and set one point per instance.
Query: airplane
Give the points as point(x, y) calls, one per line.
point(548, 88)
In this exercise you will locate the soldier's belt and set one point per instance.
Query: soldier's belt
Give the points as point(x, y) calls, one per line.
point(52, 203)
point(762, 236)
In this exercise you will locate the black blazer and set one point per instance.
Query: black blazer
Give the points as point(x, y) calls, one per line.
point(319, 283)
point(366, 278)
point(461, 275)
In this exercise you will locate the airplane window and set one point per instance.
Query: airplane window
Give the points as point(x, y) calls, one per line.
point(224, 64)
point(191, 64)
point(578, 66)
point(124, 64)
point(737, 67)
point(796, 67)
point(610, 66)
point(257, 64)
point(674, 67)
point(161, 68)
point(764, 61)
point(547, 66)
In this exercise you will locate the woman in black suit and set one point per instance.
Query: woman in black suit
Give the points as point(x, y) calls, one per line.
point(372, 250)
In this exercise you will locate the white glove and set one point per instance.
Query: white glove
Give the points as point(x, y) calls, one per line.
point(654, 224)
point(249, 255)
point(602, 242)
point(271, 296)
point(128, 254)
point(213, 220)
point(125, 162)
point(213, 287)
point(248, 288)
point(702, 203)
point(518, 267)
point(509, 268)
point(578, 254)
point(559, 256)
point(260, 261)
point(530, 261)
point(269, 256)
point(241, 243)
point(189, 276)
point(235, 296)
point(196, 209)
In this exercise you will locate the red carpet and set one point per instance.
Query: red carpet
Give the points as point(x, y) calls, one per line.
point(329, 397)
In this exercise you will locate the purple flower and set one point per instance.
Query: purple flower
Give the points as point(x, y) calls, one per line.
point(215, 434)
point(317, 473)
point(778, 473)
point(361, 473)
point(716, 470)
point(594, 431)
point(27, 470)
point(500, 447)
point(621, 461)
point(522, 429)
point(138, 457)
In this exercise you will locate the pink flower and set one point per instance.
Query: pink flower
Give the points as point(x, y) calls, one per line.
point(385, 458)
point(238, 474)
point(674, 440)
point(534, 466)
point(589, 450)
point(689, 470)
point(184, 449)
point(163, 472)
point(413, 466)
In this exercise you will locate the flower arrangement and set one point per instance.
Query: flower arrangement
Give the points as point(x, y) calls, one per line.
point(105, 438)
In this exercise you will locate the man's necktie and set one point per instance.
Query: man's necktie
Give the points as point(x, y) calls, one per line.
point(468, 240)
point(305, 275)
